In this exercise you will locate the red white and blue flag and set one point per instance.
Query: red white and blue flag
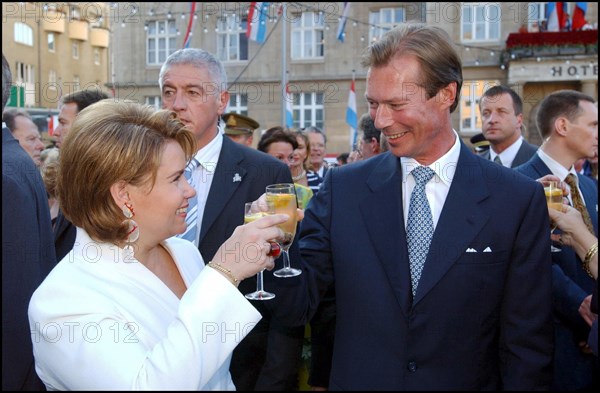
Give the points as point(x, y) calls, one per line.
point(351, 117)
point(556, 16)
point(257, 21)
point(190, 27)
point(579, 15)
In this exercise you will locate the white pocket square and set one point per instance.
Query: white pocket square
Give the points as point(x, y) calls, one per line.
point(471, 250)
point(487, 249)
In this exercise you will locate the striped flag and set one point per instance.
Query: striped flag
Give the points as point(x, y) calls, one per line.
point(289, 110)
point(578, 20)
point(257, 21)
point(351, 117)
point(556, 16)
point(188, 33)
point(342, 25)
point(51, 125)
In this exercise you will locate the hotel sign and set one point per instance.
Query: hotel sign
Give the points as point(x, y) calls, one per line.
point(551, 71)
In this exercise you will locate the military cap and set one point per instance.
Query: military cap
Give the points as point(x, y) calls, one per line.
point(236, 124)
point(480, 143)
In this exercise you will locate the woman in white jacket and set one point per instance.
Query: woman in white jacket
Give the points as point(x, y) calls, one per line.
point(131, 307)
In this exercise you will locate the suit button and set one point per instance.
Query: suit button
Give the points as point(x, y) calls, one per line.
point(412, 367)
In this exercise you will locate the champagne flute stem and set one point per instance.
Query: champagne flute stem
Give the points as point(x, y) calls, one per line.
point(259, 281)
point(286, 259)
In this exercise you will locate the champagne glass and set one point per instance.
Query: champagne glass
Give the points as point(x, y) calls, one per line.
point(283, 199)
point(260, 293)
point(554, 199)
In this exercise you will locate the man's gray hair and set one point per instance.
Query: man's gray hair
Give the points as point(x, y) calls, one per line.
point(198, 58)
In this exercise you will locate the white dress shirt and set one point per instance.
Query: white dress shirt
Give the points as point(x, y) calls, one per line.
point(438, 187)
point(208, 157)
point(100, 322)
point(508, 155)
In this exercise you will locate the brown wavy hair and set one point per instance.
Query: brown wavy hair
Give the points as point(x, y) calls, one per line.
point(113, 141)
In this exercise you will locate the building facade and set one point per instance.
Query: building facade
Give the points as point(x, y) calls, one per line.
point(302, 46)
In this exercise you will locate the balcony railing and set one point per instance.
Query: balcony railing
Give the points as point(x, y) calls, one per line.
point(519, 45)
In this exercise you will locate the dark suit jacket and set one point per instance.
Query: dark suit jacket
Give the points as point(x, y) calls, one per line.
point(224, 211)
point(526, 151)
point(27, 257)
point(571, 284)
point(479, 321)
point(64, 236)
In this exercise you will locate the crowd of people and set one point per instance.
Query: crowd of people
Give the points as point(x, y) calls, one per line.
point(426, 264)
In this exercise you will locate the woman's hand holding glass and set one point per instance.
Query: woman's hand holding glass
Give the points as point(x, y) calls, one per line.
point(248, 250)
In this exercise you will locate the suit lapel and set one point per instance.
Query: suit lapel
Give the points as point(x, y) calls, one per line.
point(461, 220)
point(382, 215)
point(524, 154)
point(228, 176)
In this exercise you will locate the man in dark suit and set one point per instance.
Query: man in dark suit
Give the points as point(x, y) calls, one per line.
point(228, 175)
point(477, 316)
point(27, 253)
point(568, 122)
point(70, 106)
point(502, 117)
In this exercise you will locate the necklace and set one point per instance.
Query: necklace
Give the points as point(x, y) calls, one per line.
point(300, 176)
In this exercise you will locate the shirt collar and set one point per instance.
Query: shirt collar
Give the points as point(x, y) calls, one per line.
point(508, 155)
point(557, 169)
point(208, 156)
point(444, 167)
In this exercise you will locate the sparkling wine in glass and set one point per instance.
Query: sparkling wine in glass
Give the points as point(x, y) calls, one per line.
point(554, 199)
point(260, 293)
point(283, 199)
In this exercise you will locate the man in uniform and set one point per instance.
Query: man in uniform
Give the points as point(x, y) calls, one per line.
point(240, 128)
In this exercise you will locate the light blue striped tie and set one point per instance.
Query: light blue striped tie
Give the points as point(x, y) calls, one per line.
point(191, 219)
point(419, 227)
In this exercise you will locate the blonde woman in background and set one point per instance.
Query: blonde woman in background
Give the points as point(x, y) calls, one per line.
point(48, 167)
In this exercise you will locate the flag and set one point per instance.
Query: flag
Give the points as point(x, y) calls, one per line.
point(289, 110)
point(257, 21)
point(188, 33)
point(342, 25)
point(50, 125)
point(556, 16)
point(351, 117)
point(578, 20)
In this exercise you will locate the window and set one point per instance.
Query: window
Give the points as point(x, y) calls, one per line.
point(470, 118)
point(481, 22)
point(52, 80)
point(154, 101)
point(23, 34)
point(24, 73)
point(75, 13)
point(75, 49)
point(76, 83)
point(232, 43)
point(51, 42)
point(307, 36)
point(238, 103)
point(97, 56)
point(161, 41)
point(308, 110)
point(384, 20)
